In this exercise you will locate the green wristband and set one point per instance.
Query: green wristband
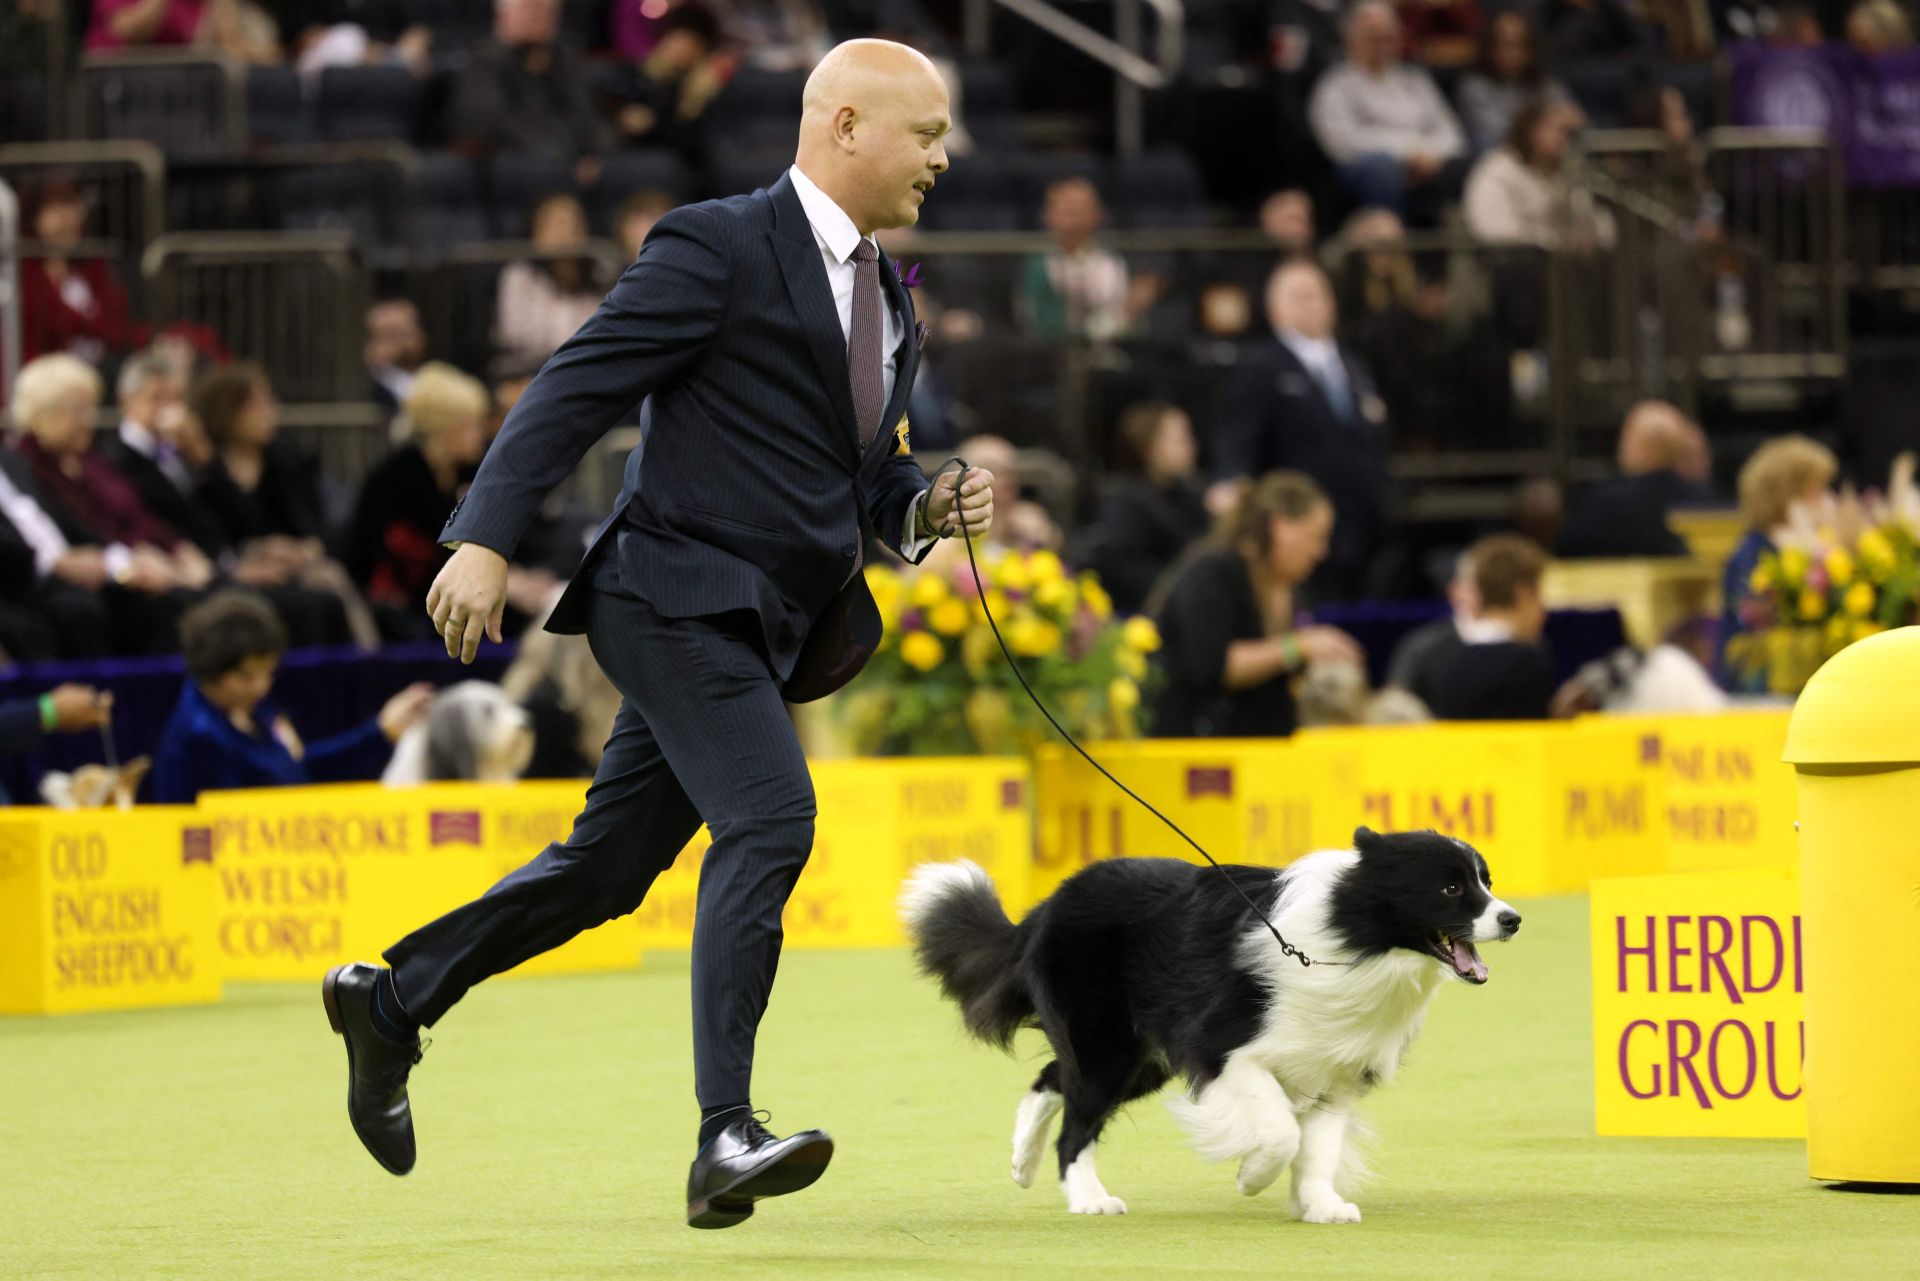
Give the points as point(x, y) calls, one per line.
point(1290, 652)
point(48, 717)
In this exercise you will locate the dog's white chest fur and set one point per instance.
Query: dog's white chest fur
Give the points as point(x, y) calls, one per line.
point(1334, 1033)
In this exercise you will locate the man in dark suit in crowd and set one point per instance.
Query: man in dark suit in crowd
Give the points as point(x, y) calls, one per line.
point(396, 348)
point(1299, 401)
point(1665, 463)
point(527, 89)
point(148, 454)
point(777, 347)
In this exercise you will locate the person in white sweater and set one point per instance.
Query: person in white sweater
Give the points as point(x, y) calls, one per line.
point(1518, 193)
point(1386, 125)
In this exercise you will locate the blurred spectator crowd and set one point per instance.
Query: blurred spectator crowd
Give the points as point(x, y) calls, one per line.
point(145, 469)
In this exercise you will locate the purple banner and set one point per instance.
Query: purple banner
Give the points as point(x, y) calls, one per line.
point(1869, 107)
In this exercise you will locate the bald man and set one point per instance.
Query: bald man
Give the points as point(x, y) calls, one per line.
point(1664, 464)
point(775, 348)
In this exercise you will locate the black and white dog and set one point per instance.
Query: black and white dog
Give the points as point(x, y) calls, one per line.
point(1142, 969)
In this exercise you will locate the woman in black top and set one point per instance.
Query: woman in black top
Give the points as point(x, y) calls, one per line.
point(393, 542)
point(265, 496)
point(256, 486)
point(1229, 648)
point(1154, 513)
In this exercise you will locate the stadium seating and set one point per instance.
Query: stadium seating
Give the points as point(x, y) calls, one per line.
point(1159, 189)
point(276, 107)
point(375, 103)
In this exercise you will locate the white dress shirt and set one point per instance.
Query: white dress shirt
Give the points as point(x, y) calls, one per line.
point(1321, 356)
point(147, 445)
point(836, 235)
point(34, 525)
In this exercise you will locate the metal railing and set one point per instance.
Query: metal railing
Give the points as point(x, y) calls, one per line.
point(1728, 274)
point(293, 301)
point(187, 104)
point(1497, 363)
point(1122, 55)
point(458, 291)
point(9, 284)
point(122, 183)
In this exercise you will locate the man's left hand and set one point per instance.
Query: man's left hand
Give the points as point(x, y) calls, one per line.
point(973, 493)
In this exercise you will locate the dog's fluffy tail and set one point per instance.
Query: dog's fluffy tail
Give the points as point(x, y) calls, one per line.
point(962, 937)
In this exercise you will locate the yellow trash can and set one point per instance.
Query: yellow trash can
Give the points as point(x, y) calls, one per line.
point(1855, 742)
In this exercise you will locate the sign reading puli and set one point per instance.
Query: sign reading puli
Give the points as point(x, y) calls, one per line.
point(1697, 1025)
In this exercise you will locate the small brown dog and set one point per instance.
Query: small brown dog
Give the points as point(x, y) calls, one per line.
point(94, 787)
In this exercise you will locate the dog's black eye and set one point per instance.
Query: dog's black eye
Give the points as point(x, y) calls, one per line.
point(1452, 891)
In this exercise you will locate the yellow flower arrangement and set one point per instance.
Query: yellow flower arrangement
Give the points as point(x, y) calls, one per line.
point(1031, 637)
point(922, 651)
point(1829, 586)
point(1859, 600)
point(1053, 594)
point(1096, 597)
point(1877, 554)
point(928, 590)
point(1141, 634)
point(949, 617)
point(1793, 567)
point(940, 684)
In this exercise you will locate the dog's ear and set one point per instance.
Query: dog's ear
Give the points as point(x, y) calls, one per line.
point(1365, 837)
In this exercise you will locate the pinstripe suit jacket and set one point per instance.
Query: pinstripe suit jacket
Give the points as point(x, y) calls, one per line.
point(754, 493)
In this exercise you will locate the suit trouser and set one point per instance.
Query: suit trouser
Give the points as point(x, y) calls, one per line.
point(702, 733)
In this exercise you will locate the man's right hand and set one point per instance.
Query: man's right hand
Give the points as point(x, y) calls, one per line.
point(467, 598)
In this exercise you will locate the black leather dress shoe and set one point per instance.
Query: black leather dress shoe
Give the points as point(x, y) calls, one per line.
point(376, 1067)
point(744, 1163)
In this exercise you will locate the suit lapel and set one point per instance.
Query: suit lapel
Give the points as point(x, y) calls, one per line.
point(806, 278)
point(1317, 387)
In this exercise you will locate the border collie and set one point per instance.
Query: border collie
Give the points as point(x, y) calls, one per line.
point(1141, 969)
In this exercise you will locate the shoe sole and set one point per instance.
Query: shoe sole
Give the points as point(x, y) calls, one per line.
point(798, 1169)
point(331, 1000)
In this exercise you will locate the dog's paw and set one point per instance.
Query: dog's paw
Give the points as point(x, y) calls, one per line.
point(1099, 1205)
point(1331, 1210)
point(1258, 1171)
point(1026, 1167)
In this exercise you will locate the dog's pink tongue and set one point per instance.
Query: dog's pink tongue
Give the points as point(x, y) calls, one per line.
point(1468, 962)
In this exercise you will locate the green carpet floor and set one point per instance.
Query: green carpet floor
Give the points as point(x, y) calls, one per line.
point(556, 1120)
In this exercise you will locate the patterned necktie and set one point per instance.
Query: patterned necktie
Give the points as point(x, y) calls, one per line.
point(863, 344)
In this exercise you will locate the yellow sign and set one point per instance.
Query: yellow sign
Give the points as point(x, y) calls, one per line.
point(1697, 1006)
point(1259, 801)
point(104, 910)
point(313, 876)
point(877, 820)
point(1730, 802)
point(1550, 808)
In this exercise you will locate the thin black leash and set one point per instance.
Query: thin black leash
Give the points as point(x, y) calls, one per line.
point(1285, 947)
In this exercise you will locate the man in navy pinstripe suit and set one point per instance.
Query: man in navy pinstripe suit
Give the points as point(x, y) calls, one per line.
point(778, 349)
